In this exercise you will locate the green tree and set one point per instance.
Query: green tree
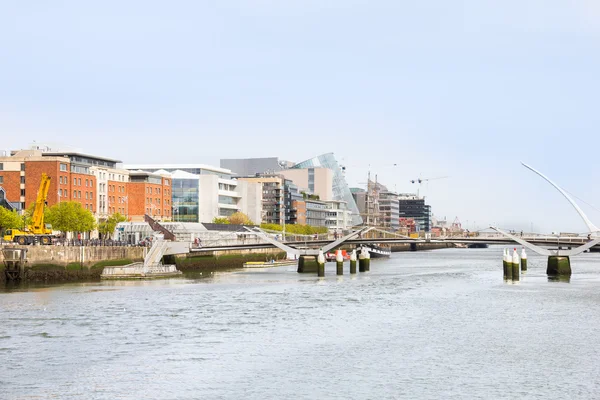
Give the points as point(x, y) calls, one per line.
point(107, 227)
point(222, 220)
point(69, 216)
point(239, 218)
point(10, 219)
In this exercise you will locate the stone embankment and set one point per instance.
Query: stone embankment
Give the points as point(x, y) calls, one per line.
point(75, 263)
point(70, 263)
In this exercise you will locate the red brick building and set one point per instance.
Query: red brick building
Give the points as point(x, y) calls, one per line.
point(21, 173)
point(94, 182)
point(149, 193)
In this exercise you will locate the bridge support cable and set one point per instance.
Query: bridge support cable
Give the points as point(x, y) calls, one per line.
point(546, 252)
point(338, 242)
point(274, 242)
point(592, 228)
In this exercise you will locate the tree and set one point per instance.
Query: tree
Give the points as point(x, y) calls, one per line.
point(69, 216)
point(222, 220)
point(239, 218)
point(107, 227)
point(10, 219)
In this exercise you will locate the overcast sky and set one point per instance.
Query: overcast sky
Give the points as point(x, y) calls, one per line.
point(436, 88)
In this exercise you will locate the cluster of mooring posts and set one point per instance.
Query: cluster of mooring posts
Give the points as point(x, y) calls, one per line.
point(514, 265)
point(364, 262)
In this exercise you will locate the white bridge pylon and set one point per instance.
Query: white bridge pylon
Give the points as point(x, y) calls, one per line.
point(593, 229)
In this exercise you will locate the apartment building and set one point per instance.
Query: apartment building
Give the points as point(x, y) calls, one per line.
point(202, 192)
point(71, 180)
point(147, 193)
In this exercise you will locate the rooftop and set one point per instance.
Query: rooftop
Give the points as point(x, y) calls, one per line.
point(74, 154)
point(176, 167)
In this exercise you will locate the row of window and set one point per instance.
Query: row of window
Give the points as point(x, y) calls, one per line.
point(224, 186)
point(156, 211)
point(156, 190)
point(76, 194)
point(122, 200)
point(157, 201)
point(111, 188)
point(76, 181)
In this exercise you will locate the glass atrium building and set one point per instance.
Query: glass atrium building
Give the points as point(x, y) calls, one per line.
point(341, 191)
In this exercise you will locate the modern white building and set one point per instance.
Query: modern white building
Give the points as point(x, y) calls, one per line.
point(337, 217)
point(105, 176)
point(201, 192)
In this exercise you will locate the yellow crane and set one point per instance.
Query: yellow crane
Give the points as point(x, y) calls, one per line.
point(36, 230)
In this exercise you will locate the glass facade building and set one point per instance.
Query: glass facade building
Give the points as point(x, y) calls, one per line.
point(185, 200)
point(415, 208)
point(341, 191)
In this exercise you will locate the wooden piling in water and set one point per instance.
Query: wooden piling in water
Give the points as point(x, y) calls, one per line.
point(508, 266)
point(361, 260)
point(505, 263)
point(339, 261)
point(321, 264)
point(353, 262)
point(523, 260)
point(515, 266)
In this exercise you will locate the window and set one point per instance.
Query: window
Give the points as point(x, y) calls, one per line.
point(59, 192)
point(66, 193)
point(22, 166)
point(74, 181)
point(22, 179)
point(22, 192)
point(1, 166)
point(86, 183)
point(1, 180)
point(63, 167)
point(79, 181)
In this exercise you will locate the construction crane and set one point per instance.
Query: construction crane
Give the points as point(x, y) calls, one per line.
point(36, 230)
point(421, 180)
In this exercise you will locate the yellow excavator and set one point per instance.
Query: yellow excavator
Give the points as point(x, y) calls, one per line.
point(36, 231)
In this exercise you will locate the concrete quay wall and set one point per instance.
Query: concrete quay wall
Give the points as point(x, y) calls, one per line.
point(86, 256)
point(71, 263)
point(420, 246)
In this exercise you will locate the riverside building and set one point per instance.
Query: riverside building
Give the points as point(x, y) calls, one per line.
point(413, 207)
point(201, 193)
point(339, 188)
point(99, 184)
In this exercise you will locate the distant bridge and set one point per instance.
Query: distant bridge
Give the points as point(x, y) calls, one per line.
point(310, 246)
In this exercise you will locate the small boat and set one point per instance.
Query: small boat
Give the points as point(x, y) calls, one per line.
point(330, 256)
point(269, 264)
point(377, 251)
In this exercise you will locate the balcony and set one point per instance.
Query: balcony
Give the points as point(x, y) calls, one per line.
point(229, 193)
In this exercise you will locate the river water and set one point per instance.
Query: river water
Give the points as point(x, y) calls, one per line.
point(427, 325)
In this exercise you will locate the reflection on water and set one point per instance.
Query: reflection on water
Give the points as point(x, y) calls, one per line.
point(426, 325)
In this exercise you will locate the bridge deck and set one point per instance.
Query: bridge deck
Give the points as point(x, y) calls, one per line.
point(315, 244)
